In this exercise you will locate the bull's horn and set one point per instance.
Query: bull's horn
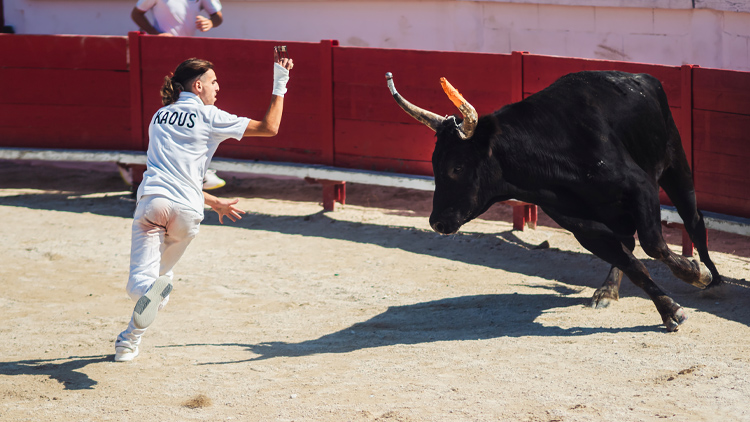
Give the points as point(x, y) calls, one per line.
point(467, 127)
point(428, 118)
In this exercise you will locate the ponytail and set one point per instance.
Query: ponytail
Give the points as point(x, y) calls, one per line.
point(170, 90)
point(182, 79)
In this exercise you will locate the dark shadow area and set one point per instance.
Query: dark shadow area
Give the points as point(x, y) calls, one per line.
point(477, 317)
point(63, 370)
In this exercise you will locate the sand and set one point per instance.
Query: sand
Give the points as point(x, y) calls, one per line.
point(361, 314)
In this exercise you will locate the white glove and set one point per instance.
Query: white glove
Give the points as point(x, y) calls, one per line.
point(280, 78)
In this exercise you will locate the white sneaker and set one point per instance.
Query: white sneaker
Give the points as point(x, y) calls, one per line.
point(125, 354)
point(212, 181)
point(145, 310)
point(125, 173)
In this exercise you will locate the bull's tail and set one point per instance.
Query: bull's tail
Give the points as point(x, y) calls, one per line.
point(677, 182)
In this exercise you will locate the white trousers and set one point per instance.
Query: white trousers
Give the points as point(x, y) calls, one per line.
point(162, 231)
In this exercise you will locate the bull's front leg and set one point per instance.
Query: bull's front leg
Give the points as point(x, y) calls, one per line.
point(613, 251)
point(610, 290)
point(600, 240)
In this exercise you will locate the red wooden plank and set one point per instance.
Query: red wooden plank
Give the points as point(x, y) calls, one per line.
point(721, 90)
point(719, 168)
point(729, 205)
point(392, 165)
point(240, 150)
point(73, 87)
point(60, 117)
point(724, 133)
point(88, 127)
point(413, 142)
point(64, 52)
point(541, 71)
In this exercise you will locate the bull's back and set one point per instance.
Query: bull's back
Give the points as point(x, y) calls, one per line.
point(609, 112)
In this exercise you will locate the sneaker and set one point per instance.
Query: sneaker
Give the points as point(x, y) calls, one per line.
point(145, 310)
point(125, 173)
point(125, 354)
point(212, 181)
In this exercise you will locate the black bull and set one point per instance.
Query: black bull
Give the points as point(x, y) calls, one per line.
point(591, 150)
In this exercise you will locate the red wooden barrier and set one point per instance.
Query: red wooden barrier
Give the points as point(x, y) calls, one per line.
point(88, 92)
point(64, 92)
point(721, 116)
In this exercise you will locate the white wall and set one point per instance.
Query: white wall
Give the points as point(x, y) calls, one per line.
point(716, 33)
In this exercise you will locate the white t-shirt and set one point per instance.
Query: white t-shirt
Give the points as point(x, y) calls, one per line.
point(183, 138)
point(178, 16)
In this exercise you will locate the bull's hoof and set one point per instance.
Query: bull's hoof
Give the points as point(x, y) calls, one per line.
point(603, 297)
point(674, 320)
point(706, 277)
point(703, 278)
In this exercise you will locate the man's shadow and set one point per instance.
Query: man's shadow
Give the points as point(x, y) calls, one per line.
point(63, 370)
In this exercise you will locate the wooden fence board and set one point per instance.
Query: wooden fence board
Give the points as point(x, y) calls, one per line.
point(63, 52)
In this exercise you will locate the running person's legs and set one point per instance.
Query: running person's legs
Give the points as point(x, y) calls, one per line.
point(162, 230)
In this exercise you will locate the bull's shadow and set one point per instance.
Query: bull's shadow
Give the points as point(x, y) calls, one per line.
point(63, 370)
point(479, 317)
point(505, 251)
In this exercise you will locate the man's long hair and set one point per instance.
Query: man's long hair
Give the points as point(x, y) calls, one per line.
point(182, 78)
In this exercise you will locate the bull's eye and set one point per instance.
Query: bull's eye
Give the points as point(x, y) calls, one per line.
point(458, 169)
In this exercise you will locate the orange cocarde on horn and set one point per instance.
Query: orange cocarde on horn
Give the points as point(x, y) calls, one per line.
point(453, 94)
point(467, 127)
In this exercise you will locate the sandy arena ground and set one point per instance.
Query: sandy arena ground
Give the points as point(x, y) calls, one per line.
point(362, 314)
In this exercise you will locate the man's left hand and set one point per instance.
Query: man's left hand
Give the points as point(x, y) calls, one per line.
point(203, 24)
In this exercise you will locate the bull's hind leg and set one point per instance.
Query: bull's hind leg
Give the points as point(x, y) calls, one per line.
point(616, 253)
point(646, 209)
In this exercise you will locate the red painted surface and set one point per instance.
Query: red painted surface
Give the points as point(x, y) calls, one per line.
point(333, 191)
point(721, 124)
point(65, 92)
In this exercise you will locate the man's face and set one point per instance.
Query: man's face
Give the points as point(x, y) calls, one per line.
point(206, 87)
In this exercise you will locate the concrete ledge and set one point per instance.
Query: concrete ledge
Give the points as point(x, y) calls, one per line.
point(302, 171)
point(126, 157)
point(714, 221)
point(313, 171)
